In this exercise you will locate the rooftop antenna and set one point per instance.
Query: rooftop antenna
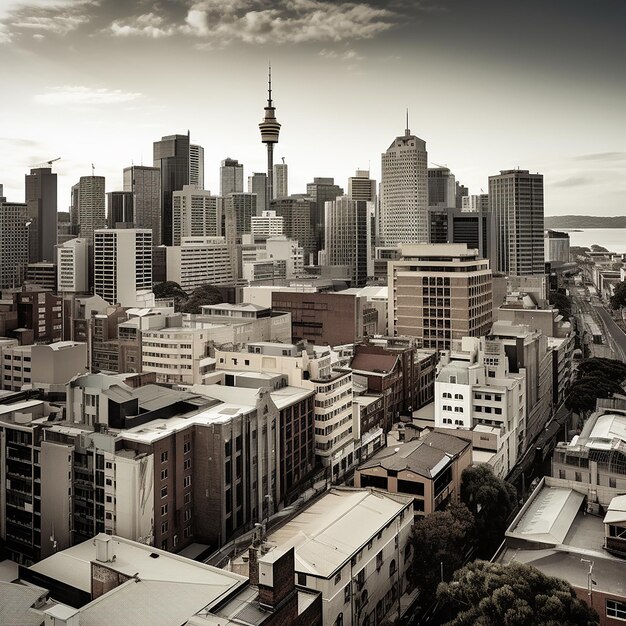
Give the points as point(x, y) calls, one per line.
point(269, 83)
point(406, 130)
point(283, 158)
point(93, 169)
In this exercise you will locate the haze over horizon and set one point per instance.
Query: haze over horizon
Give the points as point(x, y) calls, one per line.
point(490, 85)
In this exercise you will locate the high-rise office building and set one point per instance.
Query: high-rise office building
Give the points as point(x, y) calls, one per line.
point(477, 229)
point(243, 206)
point(88, 205)
point(123, 266)
point(196, 213)
point(257, 183)
point(321, 191)
point(556, 246)
point(461, 192)
point(120, 209)
point(404, 191)
point(348, 236)
point(196, 166)
point(266, 225)
point(145, 185)
point(439, 293)
point(362, 187)
point(270, 129)
point(171, 156)
point(441, 188)
point(13, 242)
point(281, 180)
point(516, 199)
point(231, 177)
point(41, 199)
point(296, 214)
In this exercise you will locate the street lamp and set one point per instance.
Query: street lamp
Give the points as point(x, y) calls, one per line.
point(590, 581)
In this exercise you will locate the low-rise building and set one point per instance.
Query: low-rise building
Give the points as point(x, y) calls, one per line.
point(428, 468)
point(353, 546)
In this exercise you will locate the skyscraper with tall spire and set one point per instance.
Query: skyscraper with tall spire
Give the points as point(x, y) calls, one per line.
point(404, 191)
point(270, 128)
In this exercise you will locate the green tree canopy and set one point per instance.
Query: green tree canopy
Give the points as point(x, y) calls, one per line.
point(488, 594)
point(595, 378)
point(168, 289)
point(491, 500)
point(443, 537)
point(562, 303)
point(203, 295)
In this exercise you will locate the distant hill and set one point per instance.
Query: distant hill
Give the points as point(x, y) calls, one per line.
point(584, 221)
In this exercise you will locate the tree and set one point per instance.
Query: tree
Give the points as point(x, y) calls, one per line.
point(491, 501)
point(562, 303)
point(512, 595)
point(169, 290)
point(596, 248)
point(443, 537)
point(203, 295)
point(595, 378)
point(618, 299)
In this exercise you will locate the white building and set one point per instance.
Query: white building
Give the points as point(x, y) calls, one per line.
point(268, 224)
point(198, 261)
point(475, 392)
point(73, 266)
point(123, 266)
point(352, 545)
point(195, 213)
point(404, 191)
point(174, 354)
point(279, 248)
point(556, 246)
point(336, 424)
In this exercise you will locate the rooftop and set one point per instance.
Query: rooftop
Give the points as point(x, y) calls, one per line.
point(330, 531)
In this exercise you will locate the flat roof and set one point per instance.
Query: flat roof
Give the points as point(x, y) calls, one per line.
point(330, 531)
point(616, 513)
point(73, 566)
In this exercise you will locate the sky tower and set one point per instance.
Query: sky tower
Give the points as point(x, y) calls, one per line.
point(270, 129)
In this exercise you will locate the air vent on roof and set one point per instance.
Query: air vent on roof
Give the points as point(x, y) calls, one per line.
point(154, 555)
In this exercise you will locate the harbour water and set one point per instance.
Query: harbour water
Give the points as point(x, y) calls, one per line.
point(613, 239)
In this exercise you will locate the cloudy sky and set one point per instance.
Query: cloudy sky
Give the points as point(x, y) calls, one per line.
point(490, 84)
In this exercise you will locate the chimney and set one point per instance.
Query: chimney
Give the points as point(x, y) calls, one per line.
point(253, 566)
point(105, 549)
point(276, 577)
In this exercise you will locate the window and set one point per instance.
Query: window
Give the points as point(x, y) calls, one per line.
point(379, 560)
point(164, 492)
point(338, 577)
point(163, 474)
point(163, 457)
point(346, 594)
point(562, 474)
point(407, 551)
point(339, 620)
point(164, 509)
point(187, 481)
point(612, 483)
point(109, 465)
point(164, 527)
point(578, 477)
point(616, 609)
point(302, 579)
point(187, 498)
point(187, 464)
point(186, 447)
point(392, 568)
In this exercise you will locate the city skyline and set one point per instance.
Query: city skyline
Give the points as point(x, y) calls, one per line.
point(485, 97)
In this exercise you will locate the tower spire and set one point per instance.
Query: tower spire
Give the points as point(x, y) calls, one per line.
point(407, 131)
point(270, 129)
point(269, 85)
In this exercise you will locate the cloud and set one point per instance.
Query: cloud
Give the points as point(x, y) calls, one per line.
point(346, 55)
point(573, 181)
point(57, 17)
point(85, 95)
point(602, 156)
point(264, 22)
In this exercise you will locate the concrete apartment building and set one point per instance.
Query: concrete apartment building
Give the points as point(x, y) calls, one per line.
point(352, 546)
point(199, 261)
point(428, 468)
point(40, 192)
point(123, 266)
point(110, 579)
point(516, 200)
point(439, 293)
point(556, 246)
point(39, 315)
point(73, 266)
point(195, 213)
point(281, 180)
point(265, 225)
point(298, 214)
point(480, 399)
point(308, 368)
point(285, 253)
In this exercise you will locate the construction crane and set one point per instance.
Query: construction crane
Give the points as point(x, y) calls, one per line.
point(50, 162)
